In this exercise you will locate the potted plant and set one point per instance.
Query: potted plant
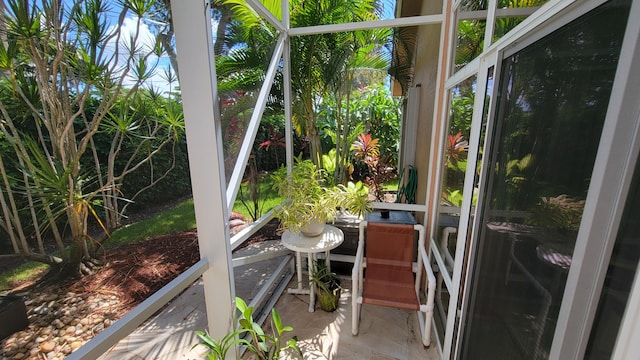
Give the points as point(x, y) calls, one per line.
point(328, 285)
point(250, 334)
point(307, 205)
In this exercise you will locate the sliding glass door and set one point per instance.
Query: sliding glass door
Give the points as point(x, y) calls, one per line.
point(552, 100)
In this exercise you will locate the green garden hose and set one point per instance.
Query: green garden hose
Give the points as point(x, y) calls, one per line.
point(408, 189)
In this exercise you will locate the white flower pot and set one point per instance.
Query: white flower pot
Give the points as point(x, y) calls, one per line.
point(314, 228)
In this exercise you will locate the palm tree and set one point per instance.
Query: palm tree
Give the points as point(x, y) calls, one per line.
point(318, 61)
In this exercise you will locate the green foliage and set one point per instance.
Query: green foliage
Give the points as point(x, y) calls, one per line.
point(518, 171)
point(305, 199)
point(168, 170)
point(356, 198)
point(175, 185)
point(220, 347)
point(330, 163)
point(470, 41)
point(453, 197)
point(267, 198)
point(269, 149)
point(370, 108)
point(456, 152)
point(328, 284)
point(264, 346)
point(333, 62)
point(68, 174)
point(53, 187)
point(382, 114)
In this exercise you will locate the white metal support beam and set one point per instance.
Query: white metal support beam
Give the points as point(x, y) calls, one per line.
point(490, 24)
point(288, 95)
point(192, 21)
point(366, 25)
point(266, 14)
point(102, 342)
point(497, 13)
point(254, 123)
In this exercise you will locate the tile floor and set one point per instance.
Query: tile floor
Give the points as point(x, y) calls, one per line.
point(385, 333)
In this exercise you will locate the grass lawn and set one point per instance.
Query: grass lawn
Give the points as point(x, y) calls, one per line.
point(26, 272)
point(182, 218)
point(268, 199)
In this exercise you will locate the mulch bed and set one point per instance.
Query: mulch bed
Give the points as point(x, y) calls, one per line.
point(134, 272)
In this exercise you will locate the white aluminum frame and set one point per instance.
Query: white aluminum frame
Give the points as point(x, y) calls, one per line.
point(367, 25)
point(102, 342)
point(486, 62)
point(283, 52)
point(204, 135)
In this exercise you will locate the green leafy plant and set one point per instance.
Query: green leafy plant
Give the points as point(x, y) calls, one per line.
point(452, 197)
point(219, 348)
point(356, 198)
point(264, 346)
point(306, 200)
point(328, 285)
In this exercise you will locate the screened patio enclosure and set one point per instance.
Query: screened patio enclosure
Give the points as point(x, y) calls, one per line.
point(523, 122)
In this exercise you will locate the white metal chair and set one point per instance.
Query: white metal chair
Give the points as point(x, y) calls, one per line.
point(391, 278)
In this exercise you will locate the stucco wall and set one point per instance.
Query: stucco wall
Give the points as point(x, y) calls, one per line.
point(427, 54)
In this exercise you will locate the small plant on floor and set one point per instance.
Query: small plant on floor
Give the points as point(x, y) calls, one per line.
point(261, 345)
point(218, 349)
point(328, 284)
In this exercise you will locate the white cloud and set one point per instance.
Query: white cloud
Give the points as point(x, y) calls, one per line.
point(138, 34)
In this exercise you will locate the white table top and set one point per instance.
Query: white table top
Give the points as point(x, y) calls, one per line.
point(330, 239)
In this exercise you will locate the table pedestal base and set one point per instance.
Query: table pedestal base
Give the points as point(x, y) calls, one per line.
point(311, 258)
point(331, 238)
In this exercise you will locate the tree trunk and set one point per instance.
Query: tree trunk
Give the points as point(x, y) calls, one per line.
point(7, 224)
point(225, 17)
point(315, 145)
point(11, 212)
point(32, 209)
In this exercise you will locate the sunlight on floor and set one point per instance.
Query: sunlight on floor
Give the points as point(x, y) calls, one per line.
point(385, 333)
